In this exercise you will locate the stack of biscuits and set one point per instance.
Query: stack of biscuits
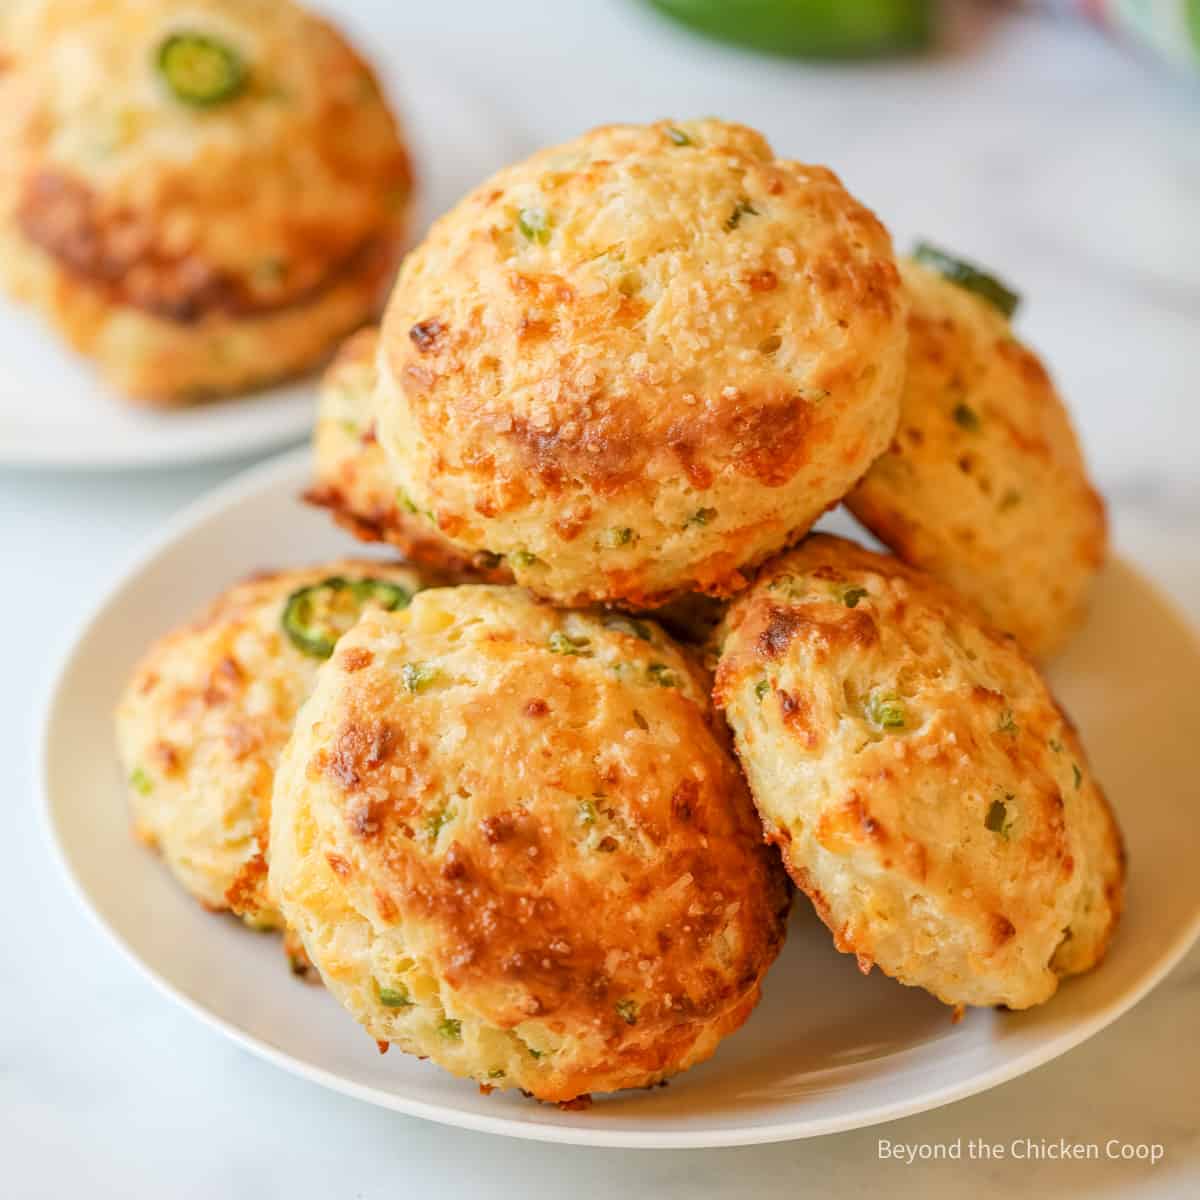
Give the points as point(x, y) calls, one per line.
point(532, 802)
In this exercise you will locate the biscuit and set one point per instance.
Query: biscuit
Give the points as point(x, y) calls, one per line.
point(638, 363)
point(201, 197)
point(201, 725)
point(352, 478)
point(353, 481)
point(984, 485)
point(926, 791)
point(513, 841)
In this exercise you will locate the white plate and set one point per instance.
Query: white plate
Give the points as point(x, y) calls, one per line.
point(55, 411)
point(827, 1050)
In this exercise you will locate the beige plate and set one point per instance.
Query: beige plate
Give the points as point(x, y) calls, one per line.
point(827, 1050)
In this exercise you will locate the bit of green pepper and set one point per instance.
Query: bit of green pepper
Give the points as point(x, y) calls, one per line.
point(628, 626)
point(437, 821)
point(678, 136)
point(523, 558)
point(587, 812)
point(380, 592)
point(1078, 776)
point(617, 536)
point(534, 224)
point(661, 674)
point(315, 617)
point(701, 517)
point(496, 1073)
point(887, 712)
point(140, 782)
point(761, 688)
point(450, 1028)
point(564, 643)
point(968, 276)
point(395, 997)
point(627, 1010)
point(406, 502)
point(199, 69)
point(966, 418)
point(852, 595)
point(418, 676)
point(743, 208)
point(1006, 724)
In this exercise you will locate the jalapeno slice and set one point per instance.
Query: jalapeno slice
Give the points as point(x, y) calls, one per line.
point(200, 69)
point(968, 276)
point(315, 617)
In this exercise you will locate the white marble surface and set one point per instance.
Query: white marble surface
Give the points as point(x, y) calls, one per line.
point(1040, 148)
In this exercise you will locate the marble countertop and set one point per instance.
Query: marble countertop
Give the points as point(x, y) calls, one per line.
point(1039, 147)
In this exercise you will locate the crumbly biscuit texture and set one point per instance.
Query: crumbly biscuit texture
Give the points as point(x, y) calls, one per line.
point(514, 841)
point(352, 478)
point(925, 789)
point(201, 725)
point(638, 363)
point(984, 485)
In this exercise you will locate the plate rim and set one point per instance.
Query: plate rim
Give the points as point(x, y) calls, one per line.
point(262, 477)
point(292, 424)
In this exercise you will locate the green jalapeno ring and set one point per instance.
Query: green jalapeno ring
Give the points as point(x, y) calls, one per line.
point(309, 614)
point(199, 69)
point(968, 276)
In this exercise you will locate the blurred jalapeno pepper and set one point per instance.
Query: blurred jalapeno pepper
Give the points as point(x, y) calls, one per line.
point(200, 69)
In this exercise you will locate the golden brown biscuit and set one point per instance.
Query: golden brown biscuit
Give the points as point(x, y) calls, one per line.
point(640, 362)
point(202, 197)
point(514, 841)
point(928, 794)
point(984, 485)
point(352, 478)
point(205, 715)
point(353, 481)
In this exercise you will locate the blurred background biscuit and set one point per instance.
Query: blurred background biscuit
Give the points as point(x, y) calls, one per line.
point(201, 197)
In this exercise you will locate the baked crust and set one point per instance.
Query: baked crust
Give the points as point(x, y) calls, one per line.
point(927, 792)
point(635, 366)
point(984, 484)
point(514, 841)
